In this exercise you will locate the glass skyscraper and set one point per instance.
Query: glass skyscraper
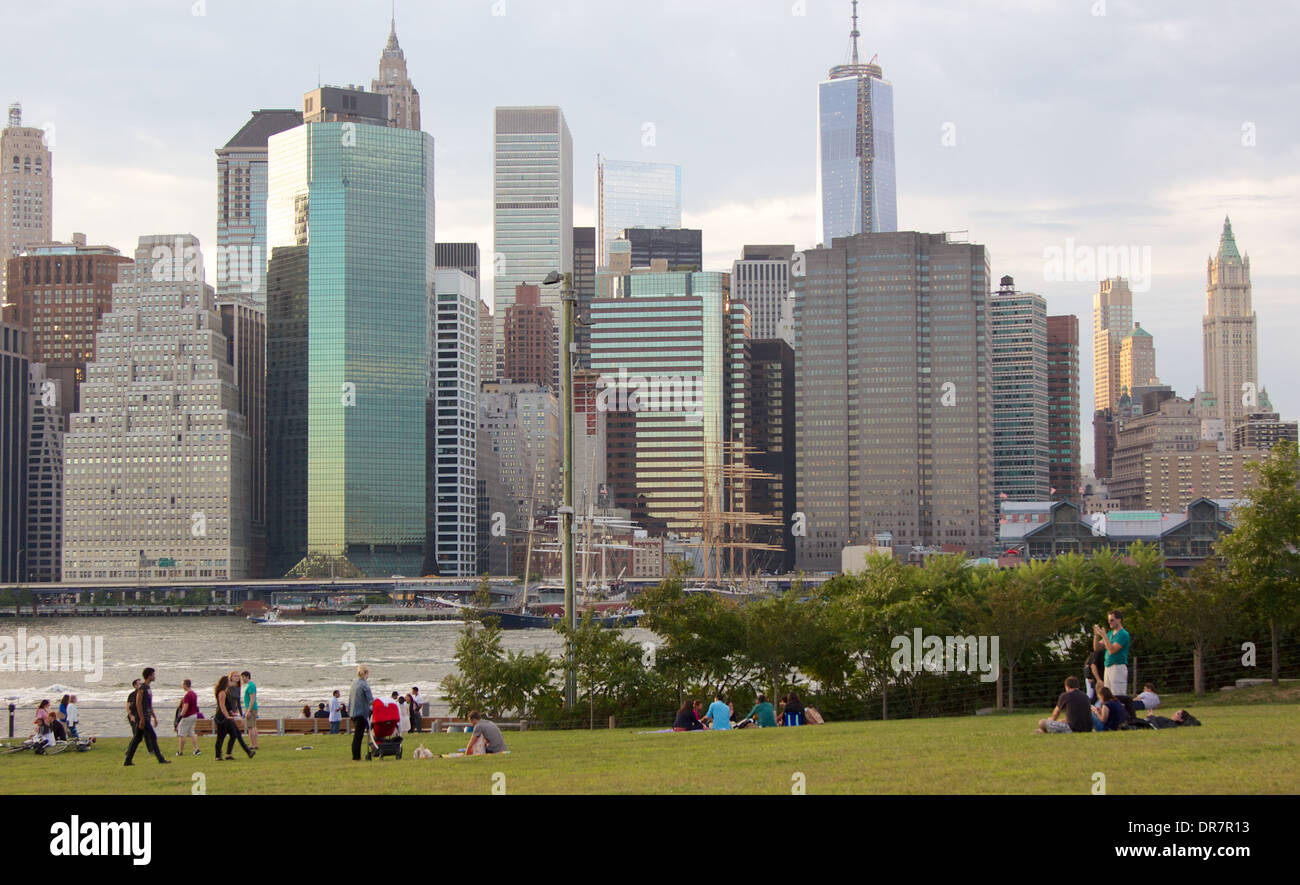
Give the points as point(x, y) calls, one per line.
point(664, 353)
point(532, 222)
point(630, 193)
point(856, 185)
point(360, 198)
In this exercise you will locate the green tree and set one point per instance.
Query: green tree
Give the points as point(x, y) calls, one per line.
point(1201, 611)
point(701, 634)
point(478, 663)
point(1017, 607)
point(868, 610)
point(1262, 554)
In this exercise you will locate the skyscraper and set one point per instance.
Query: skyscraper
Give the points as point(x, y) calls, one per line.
point(1137, 360)
point(1063, 415)
point(1112, 322)
point(665, 352)
point(761, 279)
point(156, 464)
point(60, 291)
point(243, 323)
point(1230, 333)
point(681, 248)
point(894, 406)
point(1021, 461)
point(530, 339)
point(584, 289)
point(287, 365)
point(393, 81)
point(532, 194)
point(14, 368)
point(359, 196)
point(453, 481)
point(241, 206)
point(772, 407)
point(856, 189)
point(44, 477)
point(631, 193)
point(26, 189)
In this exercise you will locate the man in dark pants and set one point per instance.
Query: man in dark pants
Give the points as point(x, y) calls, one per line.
point(145, 720)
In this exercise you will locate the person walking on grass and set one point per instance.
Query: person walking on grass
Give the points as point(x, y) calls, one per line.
point(236, 711)
point(226, 722)
point(187, 718)
point(1116, 642)
point(359, 701)
point(146, 720)
point(250, 709)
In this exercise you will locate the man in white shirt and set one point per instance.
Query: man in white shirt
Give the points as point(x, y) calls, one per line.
point(1148, 700)
point(336, 717)
point(73, 717)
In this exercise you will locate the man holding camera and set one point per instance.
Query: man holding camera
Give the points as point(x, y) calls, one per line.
point(1116, 641)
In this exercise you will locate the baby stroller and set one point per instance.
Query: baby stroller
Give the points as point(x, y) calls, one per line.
point(385, 737)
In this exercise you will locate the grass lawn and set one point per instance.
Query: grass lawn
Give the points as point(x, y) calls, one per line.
point(1247, 748)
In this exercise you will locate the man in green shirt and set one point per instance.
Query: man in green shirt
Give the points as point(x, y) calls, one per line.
point(250, 709)
point(1117, 641)
point(763, 714)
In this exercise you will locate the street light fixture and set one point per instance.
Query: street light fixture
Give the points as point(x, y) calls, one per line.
point(565, 281)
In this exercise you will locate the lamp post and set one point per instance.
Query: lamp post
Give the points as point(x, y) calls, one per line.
point(567, 300)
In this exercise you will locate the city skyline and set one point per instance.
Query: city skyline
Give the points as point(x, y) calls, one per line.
point(1168, 202)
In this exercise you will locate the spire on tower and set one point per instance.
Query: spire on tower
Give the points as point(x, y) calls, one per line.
point(855, 34)
point(1228, 243)
point(392, 31)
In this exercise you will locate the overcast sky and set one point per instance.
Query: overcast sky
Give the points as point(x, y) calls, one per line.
point(1028, 124)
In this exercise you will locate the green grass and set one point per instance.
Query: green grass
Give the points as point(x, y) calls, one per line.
point(1242, 749)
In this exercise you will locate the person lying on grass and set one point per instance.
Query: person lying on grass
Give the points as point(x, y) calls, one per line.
point(1074, 704)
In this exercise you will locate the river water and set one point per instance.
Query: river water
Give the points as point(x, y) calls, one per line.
point(293, 662)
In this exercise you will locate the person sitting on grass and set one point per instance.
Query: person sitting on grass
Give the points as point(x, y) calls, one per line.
point(486, 737)
point(1074, 704)
point(1111, 716)
point(792, 710)
point(763, 714)
point(687, 719)
point(719, 714)
point(1148, 699)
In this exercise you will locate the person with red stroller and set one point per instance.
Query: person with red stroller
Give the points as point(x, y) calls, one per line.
point(385, 729)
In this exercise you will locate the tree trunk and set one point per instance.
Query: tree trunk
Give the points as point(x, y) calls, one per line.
point(1198, 671)
point(884, 699)
point(1011, 689)
point(999, 685)
point(1272, 629)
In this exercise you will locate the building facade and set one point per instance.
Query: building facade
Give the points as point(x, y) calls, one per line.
point(893, 370)
point(532, 193)
point(243, 323)
point(60, 292)
point(1137, 360)
point(359, 197)
point(856, 187)
point(775, 443)
point(1264, 430)
point(45, 425)
point(1064, 441)
point(241, 206)
point(630, 193)
point(393, 81)
point(664, 353)
point(761, 279)
point(453, 481)
point(14, 368)
point(584, 290)
point(288, 277)
point(530, 339)
point(157, 461)
point(1112, 322)
point(26, 189)
point(1230, 333)
point(681, 248)
point(1021, 414)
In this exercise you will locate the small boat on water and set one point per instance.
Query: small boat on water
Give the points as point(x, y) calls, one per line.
point(272, 615)
point(530, 620)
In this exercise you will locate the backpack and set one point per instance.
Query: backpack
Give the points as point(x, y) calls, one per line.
point(813, 717)
point(130, 706)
